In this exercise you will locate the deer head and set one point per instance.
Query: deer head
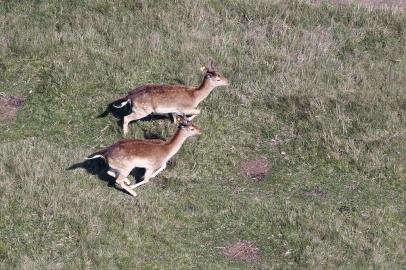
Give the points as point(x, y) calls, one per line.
point(213, 77)
point(186, 126)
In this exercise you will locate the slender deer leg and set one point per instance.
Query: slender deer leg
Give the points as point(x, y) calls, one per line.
point(127, 181)
point(174, 117)
point(114, 174)
point(159, 170)
point(147, 176)
point(120, 181)
point(190, 118)
point(132, 117)
point(193, 112)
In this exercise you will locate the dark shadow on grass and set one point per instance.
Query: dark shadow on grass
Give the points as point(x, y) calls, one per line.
point(99, 168)
point(179, 81)
point(148, 135)
point(95, 167)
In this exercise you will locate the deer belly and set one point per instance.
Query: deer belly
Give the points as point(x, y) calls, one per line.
point(143, 163)
point(165, 109)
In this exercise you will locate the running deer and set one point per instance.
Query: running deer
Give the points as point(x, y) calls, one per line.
point(123, 156)
point(174, 99)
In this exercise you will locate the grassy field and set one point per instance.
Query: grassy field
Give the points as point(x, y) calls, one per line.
point(319, 90)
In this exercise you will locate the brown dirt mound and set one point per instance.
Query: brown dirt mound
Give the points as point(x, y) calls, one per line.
point(257, 169)
point(9, 106)
point(242, 251)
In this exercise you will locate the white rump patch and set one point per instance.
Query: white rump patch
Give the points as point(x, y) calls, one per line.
point(112, 174)
point(95, 156)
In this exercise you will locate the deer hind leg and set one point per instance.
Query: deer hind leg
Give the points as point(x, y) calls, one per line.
point(114, 173)
point(132, 117)
point(121, 180)
point(147, 176)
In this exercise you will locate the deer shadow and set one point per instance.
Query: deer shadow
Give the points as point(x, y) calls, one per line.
point(179, 81)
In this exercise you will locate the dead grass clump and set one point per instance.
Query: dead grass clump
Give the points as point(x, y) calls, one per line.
point(162, 182)
point(394, 5)
point(242, 251)
point(256, 169)
point(154, 40)
point(9, 106)
point(317, 192)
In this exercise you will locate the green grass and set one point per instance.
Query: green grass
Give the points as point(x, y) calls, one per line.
point(327, 82)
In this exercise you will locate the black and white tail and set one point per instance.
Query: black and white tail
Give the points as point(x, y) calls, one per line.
point(99, 154)
point(95, 156)
point(122, 103)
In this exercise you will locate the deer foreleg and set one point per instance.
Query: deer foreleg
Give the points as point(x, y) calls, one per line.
point(121, 180)
point(147, 176)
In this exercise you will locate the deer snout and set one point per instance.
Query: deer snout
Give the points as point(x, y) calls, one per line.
point(222, 82)
point(197, 131)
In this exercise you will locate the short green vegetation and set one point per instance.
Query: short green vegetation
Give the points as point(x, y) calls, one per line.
point(319, 90)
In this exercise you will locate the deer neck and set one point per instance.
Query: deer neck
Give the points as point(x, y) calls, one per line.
point(175, 143)
point(202, 91)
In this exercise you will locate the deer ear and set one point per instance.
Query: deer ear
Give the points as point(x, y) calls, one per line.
point(209, 65)
point(183, 120)
point(184, 124)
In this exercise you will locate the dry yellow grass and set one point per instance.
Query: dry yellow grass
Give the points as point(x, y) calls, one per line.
point(392, 5)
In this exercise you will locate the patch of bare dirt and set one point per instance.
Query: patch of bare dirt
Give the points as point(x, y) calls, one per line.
point(9, 106)
point(245, 251)
point(256, 169)
point(162, 182)
point(394, 5)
